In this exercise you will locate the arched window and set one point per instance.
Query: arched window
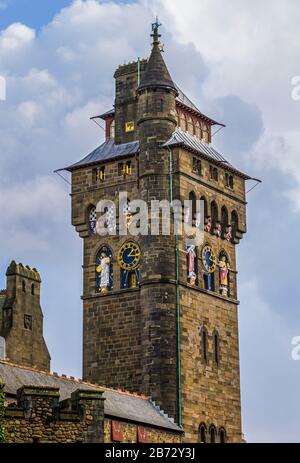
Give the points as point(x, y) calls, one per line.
point(92, 219)
point(214, 214)
point(202, 433)
point(197, 130)
point(234, 223)
point(193, 207)
point(104, 270)
point(222, 434)
point(161, 105)
point(204, 344)
point(216, 348)
point(190, 125)
point(229, 182)
point(224, 268)
point(23, 286)
point(212, 433)
point(183, 122)
point(32, 289)
point(224, 218)
point(205, 133)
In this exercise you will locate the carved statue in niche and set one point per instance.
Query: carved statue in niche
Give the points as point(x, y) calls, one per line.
point(208, 225)
point(218, 230)
point(224, 275)
point(228, 235)
point(191, 264)
point(104, 271)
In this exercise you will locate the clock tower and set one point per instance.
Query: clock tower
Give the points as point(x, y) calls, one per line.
point(160, 315)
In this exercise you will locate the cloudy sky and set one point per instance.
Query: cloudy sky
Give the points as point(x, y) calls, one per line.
point(235, 60)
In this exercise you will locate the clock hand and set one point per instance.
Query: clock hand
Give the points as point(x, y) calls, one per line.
point(132, 253)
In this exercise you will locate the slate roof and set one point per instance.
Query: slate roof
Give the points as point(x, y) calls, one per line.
point(184, 139)
point(182, 99)
point(156, 74)
point(108, 150)
point(119, 404)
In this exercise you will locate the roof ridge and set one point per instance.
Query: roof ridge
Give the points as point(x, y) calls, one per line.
point(77, 380)
point(190, 142)
point(108, 150)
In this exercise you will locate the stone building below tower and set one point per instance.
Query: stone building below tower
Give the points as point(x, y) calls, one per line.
point(21, 318)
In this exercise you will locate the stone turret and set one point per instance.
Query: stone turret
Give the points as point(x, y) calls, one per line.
point(22, 318)
point(156, 124)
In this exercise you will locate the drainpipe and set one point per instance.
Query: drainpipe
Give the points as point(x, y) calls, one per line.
point(177, 298)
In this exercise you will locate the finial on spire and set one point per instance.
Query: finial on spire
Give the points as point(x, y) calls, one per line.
point(155, 34)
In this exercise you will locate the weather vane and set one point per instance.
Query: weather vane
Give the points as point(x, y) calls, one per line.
point(155, 34)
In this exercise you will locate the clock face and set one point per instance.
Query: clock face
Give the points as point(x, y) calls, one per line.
point(209, 259)
point(129, 255)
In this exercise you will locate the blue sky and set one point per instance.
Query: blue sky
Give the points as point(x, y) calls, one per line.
point(237, 67)
point(33, 13)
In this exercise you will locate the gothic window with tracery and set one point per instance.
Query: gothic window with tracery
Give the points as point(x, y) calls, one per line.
point(92, 220)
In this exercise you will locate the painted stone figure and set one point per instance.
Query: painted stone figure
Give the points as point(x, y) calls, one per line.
point(208, 225)
point(104, 277)
point(228, 235)
point(218, 230)
point(191, 264)
point(224, 276)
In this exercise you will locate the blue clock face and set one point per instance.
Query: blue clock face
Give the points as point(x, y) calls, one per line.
point(209, 259)
point(129, 255)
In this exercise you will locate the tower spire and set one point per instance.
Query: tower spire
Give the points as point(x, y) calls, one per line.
point(156, 74)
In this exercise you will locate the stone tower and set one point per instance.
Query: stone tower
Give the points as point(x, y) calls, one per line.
point(21, 318)
point(160, 316)
point(156, 123)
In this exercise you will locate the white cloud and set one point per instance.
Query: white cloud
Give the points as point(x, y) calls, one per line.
point(15, 36)
point(30, 211)
point(28, 111)
point(62, 75)
point(253, 52)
